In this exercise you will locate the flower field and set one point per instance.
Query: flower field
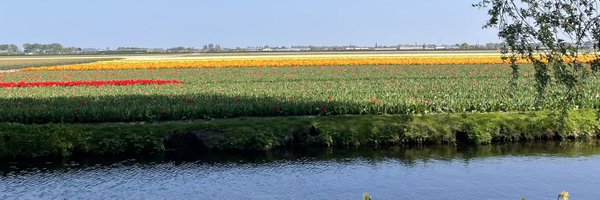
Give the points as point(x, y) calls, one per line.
point(275, 62)
point(281, 62)
point(378, 87)
point(89, 83)
point(8, 63)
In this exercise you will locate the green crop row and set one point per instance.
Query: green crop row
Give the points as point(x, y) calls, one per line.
point(281, 91)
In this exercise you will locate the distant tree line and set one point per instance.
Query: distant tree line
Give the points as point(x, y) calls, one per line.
point(54, 48)
point(182, 50)
point(488, 46)
point(57, 48)
point(131, 49)
point(9, 49)
point(212, 48)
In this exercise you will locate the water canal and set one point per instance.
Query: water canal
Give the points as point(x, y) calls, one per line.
point(511, 171)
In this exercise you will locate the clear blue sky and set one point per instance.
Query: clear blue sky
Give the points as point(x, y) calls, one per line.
point(231, 23)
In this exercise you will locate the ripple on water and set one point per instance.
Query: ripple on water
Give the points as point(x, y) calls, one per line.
point(391, 176)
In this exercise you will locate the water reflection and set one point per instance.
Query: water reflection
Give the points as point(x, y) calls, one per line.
point(510, 171)
point(406, 155)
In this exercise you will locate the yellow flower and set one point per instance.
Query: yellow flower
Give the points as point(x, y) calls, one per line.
point(282, 62)
point(564, 195)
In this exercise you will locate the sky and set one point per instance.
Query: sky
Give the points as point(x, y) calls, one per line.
point(241, 23)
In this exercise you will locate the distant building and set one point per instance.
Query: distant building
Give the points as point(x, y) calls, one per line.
point(453, 47)
point(89, 50)
point(299, 49)
point(140, 51)
point(385, 49)
point(410, 47)
point(156, 50)
point(356, 48)
point(286, 49)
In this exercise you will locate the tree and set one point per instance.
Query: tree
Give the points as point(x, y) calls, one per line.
point(30, 48)
point(53, 48)
point(465, 46)
point(36, 48)
point(553, 35)
point(9, 49)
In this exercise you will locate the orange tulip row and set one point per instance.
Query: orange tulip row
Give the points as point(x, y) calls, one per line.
point(278, 62)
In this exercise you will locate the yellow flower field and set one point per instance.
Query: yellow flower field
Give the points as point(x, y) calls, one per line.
point(277, 62)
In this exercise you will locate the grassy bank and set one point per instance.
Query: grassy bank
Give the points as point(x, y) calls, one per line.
point(27, 140)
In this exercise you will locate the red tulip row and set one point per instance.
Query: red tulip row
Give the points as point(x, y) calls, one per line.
point(89, 83)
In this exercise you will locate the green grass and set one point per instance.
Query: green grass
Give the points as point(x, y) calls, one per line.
point(264, 133)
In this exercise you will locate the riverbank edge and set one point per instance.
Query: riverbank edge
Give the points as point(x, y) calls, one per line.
point(265, 133)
